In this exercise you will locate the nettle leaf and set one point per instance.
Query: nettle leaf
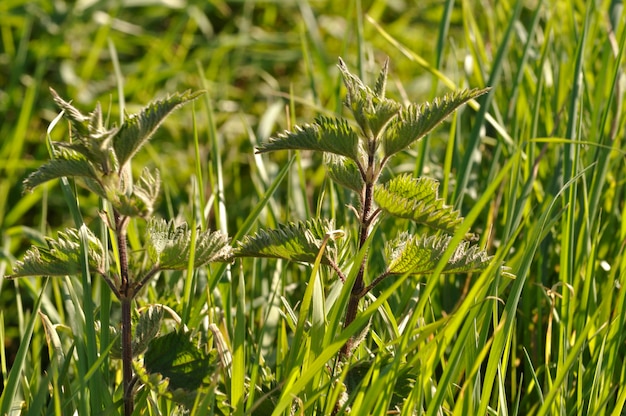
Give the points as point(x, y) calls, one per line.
point(78, 121)
point(415, 121)
point(381, 82)
point(383, 111)
point(144, 195)
point(146, 328)
point(371, 110)
point(420, 255)
point(139, 128)
point(169, 246)
point(67, 163)
point(62, 256)
point(160, 385)
point(97, 149)
point(186, 366)
point(353, 83)
point(147, 188)
point(90, 137)
point(326, 134)
point(345, 172)
point(417, 199)
point(96, 123)
point(300, 242)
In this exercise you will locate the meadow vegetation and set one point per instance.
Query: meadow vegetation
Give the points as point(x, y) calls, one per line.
point(534, 165)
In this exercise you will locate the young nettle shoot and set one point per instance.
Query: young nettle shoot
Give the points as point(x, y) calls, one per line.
point(98, 157)
point(355, 158)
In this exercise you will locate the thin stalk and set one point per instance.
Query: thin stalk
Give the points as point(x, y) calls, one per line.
point(127, 356)
point(372, 285)
point(366, 218)
point(126, 298)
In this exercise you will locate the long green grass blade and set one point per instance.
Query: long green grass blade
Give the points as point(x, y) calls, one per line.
point(253, 216)
point(7, 400)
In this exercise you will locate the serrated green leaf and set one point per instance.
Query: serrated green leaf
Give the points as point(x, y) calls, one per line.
point(61, 257)
point(90, 137)
point(371, 110)
point(79, 122)
point(354, 85)
point(417, 199)
point(385, 111)
point(381, 81)
point(96, 124)
point(146, 328)
point(144, 195)
point(97, 149)
point(345, 172)
point(139, 128)
point(147, 188)
point(300, 242)
point(169, 246)
point(67, 163)
point(326, 134)
point(176, 357)
point(415, 121)
point(420, 255)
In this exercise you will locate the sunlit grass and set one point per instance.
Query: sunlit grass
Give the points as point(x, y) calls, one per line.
point(536, 167)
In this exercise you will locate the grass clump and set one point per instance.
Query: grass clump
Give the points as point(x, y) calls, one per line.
point(535, 165)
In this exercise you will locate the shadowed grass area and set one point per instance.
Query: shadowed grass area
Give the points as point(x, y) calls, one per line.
point(536, 167)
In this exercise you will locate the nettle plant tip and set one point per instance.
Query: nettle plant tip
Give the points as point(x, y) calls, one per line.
point(354, 158)
point(98, 157)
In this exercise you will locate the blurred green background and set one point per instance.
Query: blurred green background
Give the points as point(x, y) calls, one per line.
point(555, 66)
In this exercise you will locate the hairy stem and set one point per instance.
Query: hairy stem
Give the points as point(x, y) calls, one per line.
point(126, 298)
point(372, 285)
point(146, 278)
point(366, 221)
point(127, 356)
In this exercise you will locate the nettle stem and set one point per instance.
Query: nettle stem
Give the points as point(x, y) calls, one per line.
point(126, 299)
point(366, 218)
point(127, 356)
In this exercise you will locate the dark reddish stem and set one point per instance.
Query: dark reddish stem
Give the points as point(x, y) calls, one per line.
point(366, 219)
point(127, 357)
point(126, 298)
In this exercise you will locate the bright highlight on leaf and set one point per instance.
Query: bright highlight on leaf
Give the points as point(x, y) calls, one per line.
point(355, 159)
point(67, 163)
point(325, 135)
point(62, 256)
point(97, 154)
point(420, 255)
point(169, 246)
point(139, 128)
point(417, 199)
point(299, 242)
point(415, 121)
point(371, 110)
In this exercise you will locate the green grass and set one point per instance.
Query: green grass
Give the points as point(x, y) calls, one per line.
point(536, 168)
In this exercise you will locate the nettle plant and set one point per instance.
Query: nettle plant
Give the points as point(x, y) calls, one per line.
point(355, 159)
point(99, 158)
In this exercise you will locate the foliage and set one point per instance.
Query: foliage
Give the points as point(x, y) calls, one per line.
point(535, 166)
point(385, 123)
point(98, 156)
